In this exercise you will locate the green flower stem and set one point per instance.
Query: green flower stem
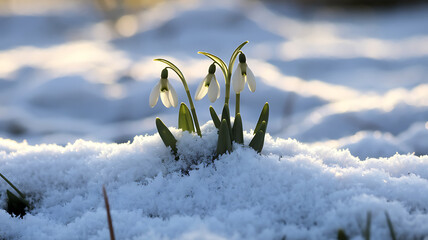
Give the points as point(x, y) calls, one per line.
point(237, 105)
point(227, 79)
point(13, 186)
point(198, 129)
point(192, 107)
point(183, 80)
point(226, 98)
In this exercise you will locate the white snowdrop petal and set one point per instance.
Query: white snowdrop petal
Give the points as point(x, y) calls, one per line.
point(165, 98)
point(238, 81)
point(201, 91)
point(218, 85)
point(173, 99)
point(213, 90)
point(251, 80)
point(154, 95)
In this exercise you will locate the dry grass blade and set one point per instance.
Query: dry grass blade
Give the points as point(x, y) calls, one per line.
point(110, 222)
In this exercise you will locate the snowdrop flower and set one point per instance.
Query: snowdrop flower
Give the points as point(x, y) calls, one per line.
point(165, 90)
point(243, 74)
point(210, 85)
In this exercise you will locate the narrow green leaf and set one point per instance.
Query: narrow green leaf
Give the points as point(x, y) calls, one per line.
point(225, 115)
point(258, 140)
point(185, 121)
point(171, 65)
point(235, 54)
point(390, 226)
point(16, 206)
point(223, 144)
point(215, 118)
point(13, 186)
point(166, 136)
point(264, 116)
point(341, 235)
point(217, 60)
point(238, 132)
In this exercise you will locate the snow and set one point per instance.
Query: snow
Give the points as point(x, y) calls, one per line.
point(348, 125)
point(291, 190)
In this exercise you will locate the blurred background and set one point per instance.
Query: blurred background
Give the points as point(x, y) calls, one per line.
point(349, 74)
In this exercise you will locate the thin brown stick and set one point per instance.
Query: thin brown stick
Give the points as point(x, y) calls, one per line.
point(110, 222)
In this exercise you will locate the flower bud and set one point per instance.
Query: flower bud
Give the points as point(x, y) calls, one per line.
point(211, 70)
point(164, 73)
point(242, 58)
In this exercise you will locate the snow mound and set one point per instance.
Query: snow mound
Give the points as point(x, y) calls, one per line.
point(291, 190)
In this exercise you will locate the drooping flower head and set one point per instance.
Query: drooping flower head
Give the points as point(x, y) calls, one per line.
point(242, 75)
point(209, 85)
point(165, 90)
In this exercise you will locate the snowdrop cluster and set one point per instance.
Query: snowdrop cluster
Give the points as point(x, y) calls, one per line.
point(228, 132)
point(187, 119)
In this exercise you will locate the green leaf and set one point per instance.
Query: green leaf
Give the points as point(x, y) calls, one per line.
point(341, 235)
point(235, 54)
point(166, 136)
point(238, 132)
point(16, 206)
point(264, 116)
point(217, 60)
point(258, 140)
point(225, 115)
point(171, 65)
point(185, 121)
point(390, 226)
point(223, 144)
point(215, 118)
point(13, 186)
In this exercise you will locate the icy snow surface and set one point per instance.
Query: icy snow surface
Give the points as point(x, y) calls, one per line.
point(70, 87)
point(290, 190)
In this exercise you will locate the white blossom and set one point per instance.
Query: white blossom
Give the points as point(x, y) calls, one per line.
point(166, 92)
point(242, 75)
point(209, 85)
